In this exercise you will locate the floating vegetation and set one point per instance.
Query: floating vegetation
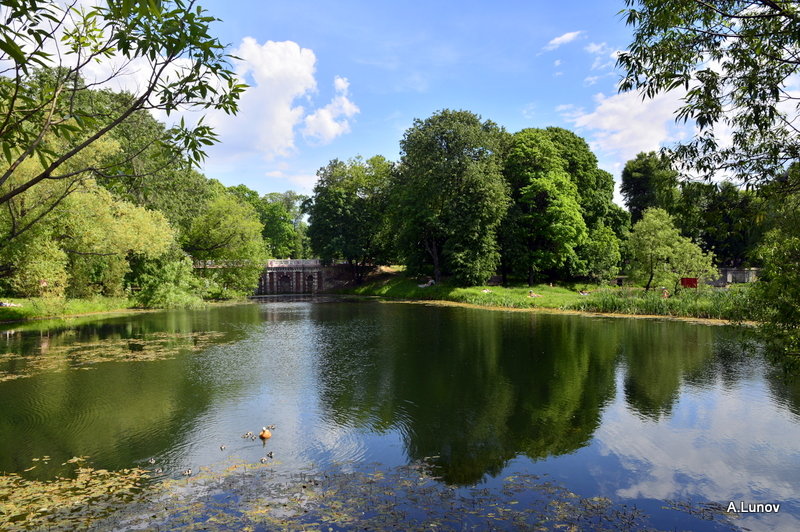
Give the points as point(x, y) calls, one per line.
point(67, 503)
point(237, 495)
point(257, 497)
point(83, 355)
point(708, 511)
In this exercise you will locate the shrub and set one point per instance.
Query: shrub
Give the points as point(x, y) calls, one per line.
point(170, 284)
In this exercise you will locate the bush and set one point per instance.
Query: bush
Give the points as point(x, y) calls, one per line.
point(170, 284)
point(41, 270)
point(735, 303)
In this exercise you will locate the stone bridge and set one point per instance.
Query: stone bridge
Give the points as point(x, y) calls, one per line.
point(292, 276)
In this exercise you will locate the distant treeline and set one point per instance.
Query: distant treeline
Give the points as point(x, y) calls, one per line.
point(469, 200)
point(134, 230)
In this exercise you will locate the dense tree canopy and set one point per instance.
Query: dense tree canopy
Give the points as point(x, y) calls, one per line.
point(724, 219)
point(559, 198)
point(347, 212)
point(228, 237)
point(544, 225)
point(602, 253)
point(649, 181)
point(595, 187)
point(736, 60)
point(284, 231)
point(451, 196)
point(81, 247)
point(46, 95)
point(661, 256)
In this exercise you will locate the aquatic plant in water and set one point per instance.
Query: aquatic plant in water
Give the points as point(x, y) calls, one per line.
point(83, 355)
point(70, 502)
point(240, 495)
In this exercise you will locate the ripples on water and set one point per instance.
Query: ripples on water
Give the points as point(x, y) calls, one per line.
point(638, 411)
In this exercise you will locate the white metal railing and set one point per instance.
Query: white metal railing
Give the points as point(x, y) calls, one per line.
point(272, 263)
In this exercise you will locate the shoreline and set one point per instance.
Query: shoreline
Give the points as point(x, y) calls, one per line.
point(554, 310)
point(119, 312)
point(428, 302)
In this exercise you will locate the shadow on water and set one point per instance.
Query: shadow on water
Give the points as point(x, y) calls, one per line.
point(476, 389)
point(116, 411)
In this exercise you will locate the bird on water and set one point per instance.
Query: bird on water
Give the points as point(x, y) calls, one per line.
point(265, 434)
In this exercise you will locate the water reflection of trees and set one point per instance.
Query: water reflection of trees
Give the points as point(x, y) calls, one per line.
point(118, 412)
point(477, 388)
point(471, 387)
point(658, 356)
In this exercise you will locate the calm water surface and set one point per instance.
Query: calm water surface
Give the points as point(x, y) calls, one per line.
point(639, 411)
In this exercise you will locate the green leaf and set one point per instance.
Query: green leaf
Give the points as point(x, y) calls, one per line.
point(12, 49)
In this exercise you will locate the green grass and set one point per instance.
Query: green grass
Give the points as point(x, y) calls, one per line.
point(36, 308)
point(727, 304)
point(400, 287)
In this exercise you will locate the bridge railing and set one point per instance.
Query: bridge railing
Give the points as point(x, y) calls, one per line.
point(271, 263)
point(221, 263)
point(276, 263)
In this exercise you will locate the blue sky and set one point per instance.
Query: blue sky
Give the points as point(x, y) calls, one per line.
point(340, 79)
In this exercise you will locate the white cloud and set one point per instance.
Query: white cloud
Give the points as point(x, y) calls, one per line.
point(562, 39)
point(529, 111)
point(303, 182)
point(595, 48)
point(413, 82)
point(605, 55)
point(588, 81)
point(623, 125)
point(329, 122)
point(557, 62)
point(278, 74)
point(281, 79)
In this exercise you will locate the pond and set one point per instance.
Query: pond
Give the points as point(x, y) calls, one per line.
point(391, 414)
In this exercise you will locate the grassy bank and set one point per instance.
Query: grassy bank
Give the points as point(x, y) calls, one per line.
point(37, 308)
point(730, 304)
point(733, 304)
point(400, 287)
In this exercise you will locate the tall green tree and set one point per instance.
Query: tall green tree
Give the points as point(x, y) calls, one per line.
point(778, 288)
point(348, 212)
point(595, 186)
point(660, 255)
point(227, 237)
point(451, 196)
point(724, 219)
point(290, 204)
point(544, 226)
point(736, 59)
point(649, 181)
point(167, 43)
point(780, 278)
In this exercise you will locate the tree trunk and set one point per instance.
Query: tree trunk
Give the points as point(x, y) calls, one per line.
point(437, 274)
